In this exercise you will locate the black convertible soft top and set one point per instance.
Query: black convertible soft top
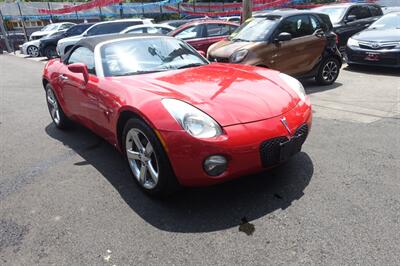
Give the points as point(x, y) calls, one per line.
point(92, 42)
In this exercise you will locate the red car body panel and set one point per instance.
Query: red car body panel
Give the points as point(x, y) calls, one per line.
point(203, 42)
point(248, 102)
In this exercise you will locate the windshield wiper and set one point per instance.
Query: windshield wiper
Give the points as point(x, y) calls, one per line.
point(190, 65)
point(239, 40)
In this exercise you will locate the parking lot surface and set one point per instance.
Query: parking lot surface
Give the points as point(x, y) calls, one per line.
point(66, 198)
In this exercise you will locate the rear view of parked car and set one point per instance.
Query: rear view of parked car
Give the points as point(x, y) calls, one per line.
point(200, 34)
point(107, 27)
point(350, 18)
point(377, 45)
point(47, 45)
point(298, 43)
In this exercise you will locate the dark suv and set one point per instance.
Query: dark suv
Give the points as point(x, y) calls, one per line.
point(298, 43)
point(47, 46)
point(350, 18)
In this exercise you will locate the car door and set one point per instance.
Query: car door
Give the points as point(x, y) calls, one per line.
point(193, 35)
point(300, 54)
point(216, 32)
point(80, 97)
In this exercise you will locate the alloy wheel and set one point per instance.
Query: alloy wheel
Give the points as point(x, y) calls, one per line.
point(33, 51)
point(142, 158)
point(330, 71)
point(53, 106)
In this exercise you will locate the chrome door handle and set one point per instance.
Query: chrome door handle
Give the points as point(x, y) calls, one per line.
point(62, 77)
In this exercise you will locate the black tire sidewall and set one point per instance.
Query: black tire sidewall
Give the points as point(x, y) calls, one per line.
point(47, 51)
point(167, 183)
point(320, 80)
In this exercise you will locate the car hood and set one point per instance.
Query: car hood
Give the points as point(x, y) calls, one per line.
point(378, 35)
point(226, 48)
point(42, 33)
point(231, 94)
point(34, 43)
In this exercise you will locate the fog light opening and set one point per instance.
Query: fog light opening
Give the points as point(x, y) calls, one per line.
point(215, 165)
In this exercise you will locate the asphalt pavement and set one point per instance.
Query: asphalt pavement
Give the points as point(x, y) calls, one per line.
point(66, 198)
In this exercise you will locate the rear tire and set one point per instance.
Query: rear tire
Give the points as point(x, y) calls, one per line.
point(147, 160)
point(328, 71)
point(57, 114)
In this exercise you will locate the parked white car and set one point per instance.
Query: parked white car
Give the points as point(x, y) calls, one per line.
point(32, 47)
point(106, 27)
point(51, 28)
point(150, 29)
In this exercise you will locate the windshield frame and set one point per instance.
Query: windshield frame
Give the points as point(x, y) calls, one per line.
point(99, 60)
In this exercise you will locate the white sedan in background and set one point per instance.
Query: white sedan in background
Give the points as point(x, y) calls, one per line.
point(49, 29)
point(150, 29)
point(32, 47)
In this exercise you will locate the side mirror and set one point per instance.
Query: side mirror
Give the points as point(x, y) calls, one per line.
point(283, 36)
point(80, 68)
point(202, 53)
point(351, 18)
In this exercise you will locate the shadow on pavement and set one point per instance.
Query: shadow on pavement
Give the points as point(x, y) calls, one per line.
point(373, 70)
point(200, 209)
point(312, 87)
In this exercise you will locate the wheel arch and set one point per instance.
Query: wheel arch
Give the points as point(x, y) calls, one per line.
point(124, 115)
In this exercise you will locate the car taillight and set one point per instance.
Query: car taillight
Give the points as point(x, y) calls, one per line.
point(337, 38)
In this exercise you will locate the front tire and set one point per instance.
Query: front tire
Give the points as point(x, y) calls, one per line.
point(147, 159)
point(50, 52)
point(328, 71)
point(57, 114)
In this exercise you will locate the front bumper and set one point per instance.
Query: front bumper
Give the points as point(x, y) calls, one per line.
point(385, 58)
point(243, 145)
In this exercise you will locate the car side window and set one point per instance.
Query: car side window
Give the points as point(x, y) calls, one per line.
point(375, 11)
point(136, 31)
point(65, 26)
point(112, 27)
point(85, 56)
point(217, 30)
point(297, 26)
point(314, 23)
point(359, 12)
point(188, 33)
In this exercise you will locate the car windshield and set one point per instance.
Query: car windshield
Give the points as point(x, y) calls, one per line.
point(49, 27)
point(389, 21)
point(334, 13)
point(255, 29)
point(146, 55)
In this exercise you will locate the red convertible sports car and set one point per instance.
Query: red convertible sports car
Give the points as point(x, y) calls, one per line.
point(179, 119)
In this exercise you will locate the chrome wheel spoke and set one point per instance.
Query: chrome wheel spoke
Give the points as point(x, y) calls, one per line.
point(138, 143)
point(133, 155)
point(153, 172)
point(148, 150)
point(143, 174)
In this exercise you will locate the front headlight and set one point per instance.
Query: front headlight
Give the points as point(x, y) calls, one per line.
point(294, 84)
point(352, 42)
point(192, 120)
point(238, 56)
